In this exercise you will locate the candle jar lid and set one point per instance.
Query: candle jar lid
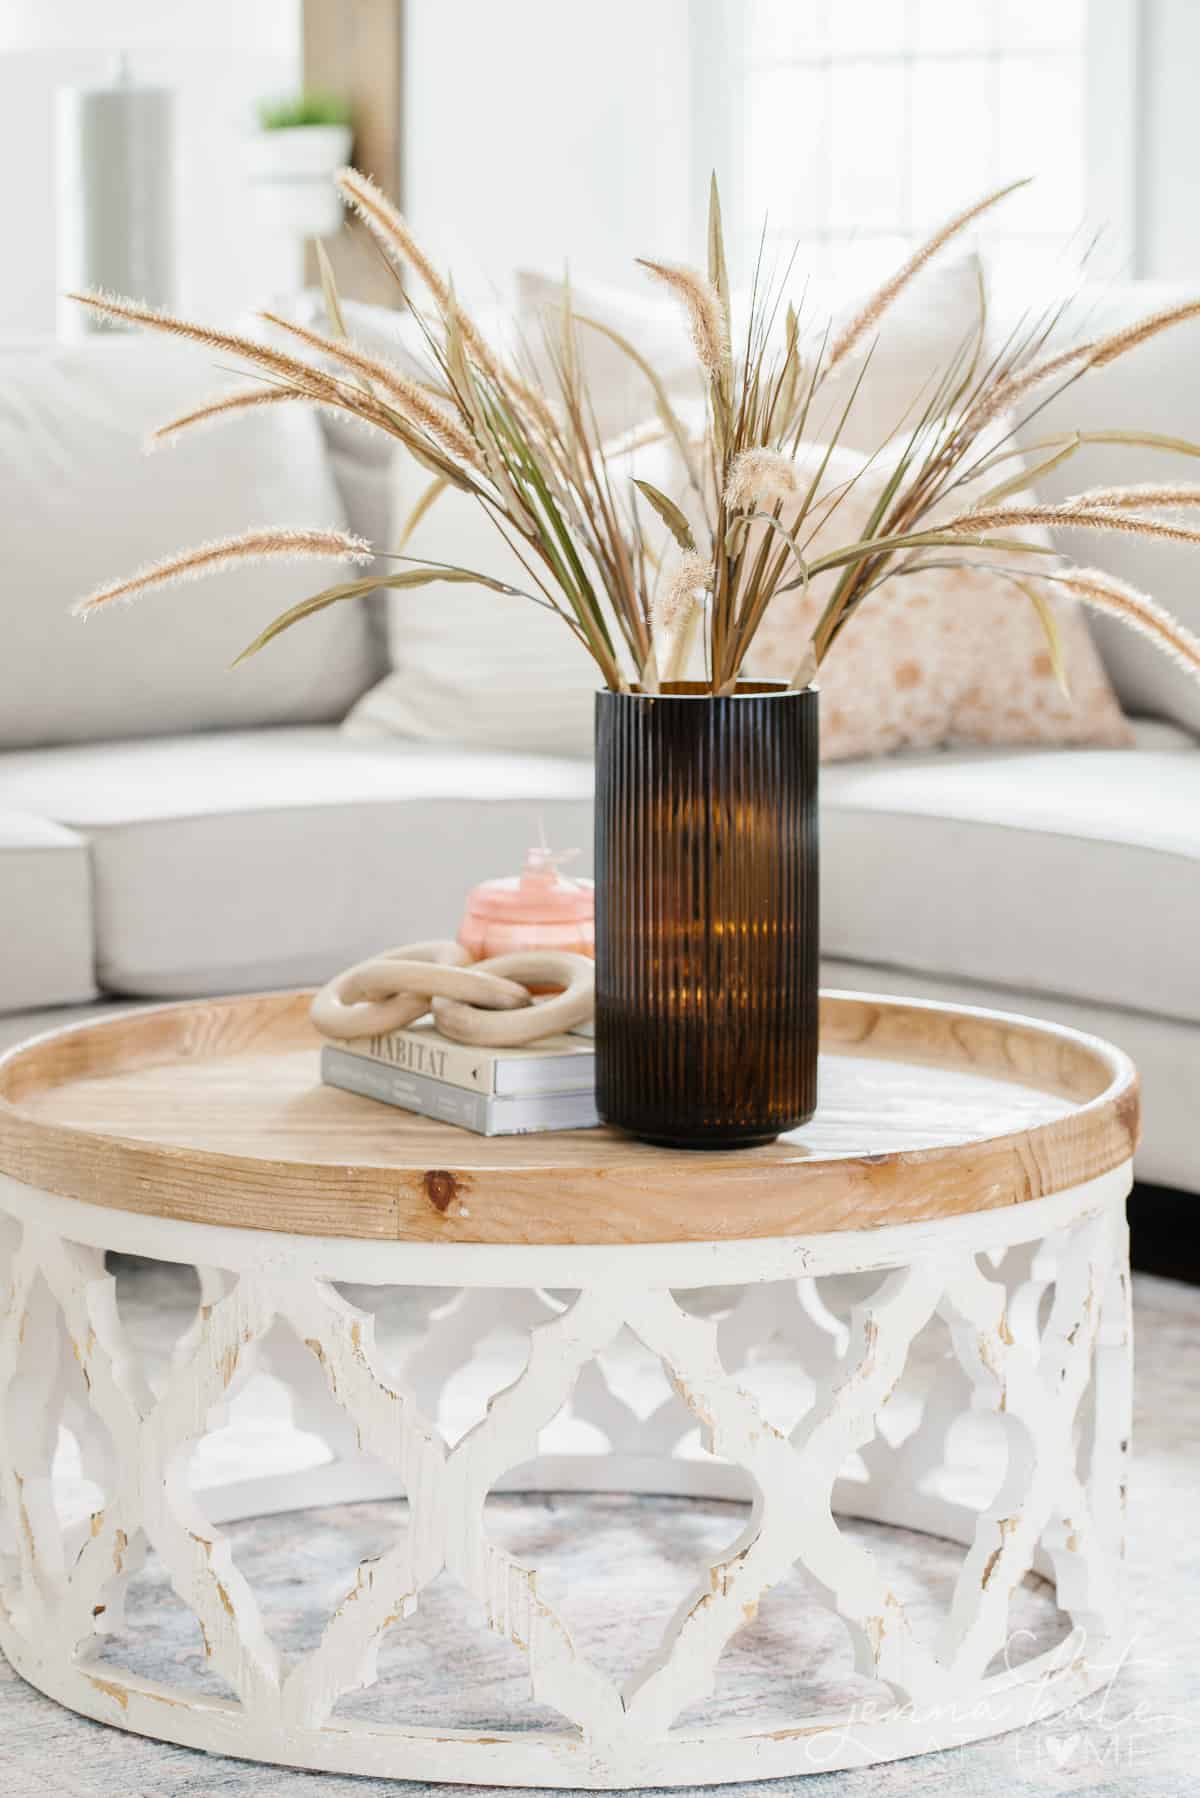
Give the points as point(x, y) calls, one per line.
point(540, 894)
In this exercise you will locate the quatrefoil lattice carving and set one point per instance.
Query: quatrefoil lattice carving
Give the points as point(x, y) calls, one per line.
point(1030, 1338)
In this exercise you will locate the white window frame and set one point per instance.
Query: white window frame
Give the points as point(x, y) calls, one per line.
point(1111, 140)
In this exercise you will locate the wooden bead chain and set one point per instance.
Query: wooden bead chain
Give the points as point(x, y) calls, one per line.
point(484, 1003)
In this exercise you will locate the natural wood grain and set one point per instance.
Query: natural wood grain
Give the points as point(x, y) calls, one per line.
point(213, 1112)
point(355, 48)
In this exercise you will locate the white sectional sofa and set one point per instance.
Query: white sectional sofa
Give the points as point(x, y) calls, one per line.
point(205, 838)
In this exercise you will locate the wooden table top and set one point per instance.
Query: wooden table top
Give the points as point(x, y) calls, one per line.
point(213, 1112)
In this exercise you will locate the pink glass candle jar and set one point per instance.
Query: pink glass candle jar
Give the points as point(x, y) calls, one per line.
point(540, 908)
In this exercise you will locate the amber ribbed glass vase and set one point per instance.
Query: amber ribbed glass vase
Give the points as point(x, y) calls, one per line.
point(706, 913)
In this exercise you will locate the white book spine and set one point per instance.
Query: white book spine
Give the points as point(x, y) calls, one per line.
point(479, 1112)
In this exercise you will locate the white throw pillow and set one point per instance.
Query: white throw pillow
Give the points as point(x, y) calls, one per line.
point(901, 360)
point(82, 503)
point(471, 665)
point(916, 339)
point(619, 391)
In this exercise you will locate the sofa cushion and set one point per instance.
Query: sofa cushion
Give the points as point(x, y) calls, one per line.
point(17, 1027)
point(272, 858)
point(83, 504)
point(1072, 872)
point(45, 914)
point(1155, 388)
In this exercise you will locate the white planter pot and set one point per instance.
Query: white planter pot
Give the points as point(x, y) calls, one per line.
point(292, 172)
point(298, 153)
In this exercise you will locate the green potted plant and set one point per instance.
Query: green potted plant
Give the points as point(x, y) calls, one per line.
point(302, 139)
point(706, 919)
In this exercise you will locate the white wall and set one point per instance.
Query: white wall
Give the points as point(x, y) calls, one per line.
point(538, 130)
point(220, 56)
point(1168, 211)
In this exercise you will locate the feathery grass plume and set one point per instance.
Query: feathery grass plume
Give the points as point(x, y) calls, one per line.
point(1145, 495)
point(222, 405)
point(677, 611)
point(869, 315)
point(761, 474)
point(1105, 593)
point(1109, 348)
point(1071, 515)
point(1002, 394)
point(210, 558)
point(411, 399)
point(552, 489)
point(706, 314)
point(693, 576)
point(1095, 353)
point(389, 228)
point(262, 355)
point(393, 233)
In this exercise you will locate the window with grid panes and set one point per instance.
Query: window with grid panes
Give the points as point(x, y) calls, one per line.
point(865, 123)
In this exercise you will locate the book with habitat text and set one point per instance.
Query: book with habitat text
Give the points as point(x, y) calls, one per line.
point(557, 1064)
point(484, 1113)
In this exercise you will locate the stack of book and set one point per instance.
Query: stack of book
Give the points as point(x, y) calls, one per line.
point(495, 1092)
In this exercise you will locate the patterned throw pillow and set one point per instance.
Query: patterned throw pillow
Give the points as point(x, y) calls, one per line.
point(956, 656)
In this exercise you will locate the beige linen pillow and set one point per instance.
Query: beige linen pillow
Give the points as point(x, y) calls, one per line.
point(956, 656)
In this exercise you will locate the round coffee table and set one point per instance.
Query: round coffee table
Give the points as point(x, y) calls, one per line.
point(940, 1256)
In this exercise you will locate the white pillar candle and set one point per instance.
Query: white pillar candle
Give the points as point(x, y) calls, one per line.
point(114, 169)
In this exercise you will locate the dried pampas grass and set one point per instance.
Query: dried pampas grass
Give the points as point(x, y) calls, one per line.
point(210, 558)
point(691, 579)
point(869, 316)
point(222, 405)
point(393, 233)
point(1105, 593)
point(761, 474)
point(1146, 495)
point(702, 303)
point(390, 230)
point(411, 399)
point(677, 612)
point(1109, 348)
point(1021, 383)
point(1077, 514)
point(312, 381)
point(573, 518)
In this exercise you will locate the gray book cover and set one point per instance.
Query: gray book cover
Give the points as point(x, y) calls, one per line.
point(479, 1112)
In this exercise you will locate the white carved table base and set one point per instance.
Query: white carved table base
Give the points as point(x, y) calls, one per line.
point(1034, 1299)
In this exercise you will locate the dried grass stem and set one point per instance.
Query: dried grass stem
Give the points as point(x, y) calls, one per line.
point(272, 544)
point(1106, 593)
point(705, 312)
point(1069, 515)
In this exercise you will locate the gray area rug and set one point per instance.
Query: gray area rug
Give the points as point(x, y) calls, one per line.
point(1143, 1735)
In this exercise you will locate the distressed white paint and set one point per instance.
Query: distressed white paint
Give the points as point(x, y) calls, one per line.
point(1058, 1510)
